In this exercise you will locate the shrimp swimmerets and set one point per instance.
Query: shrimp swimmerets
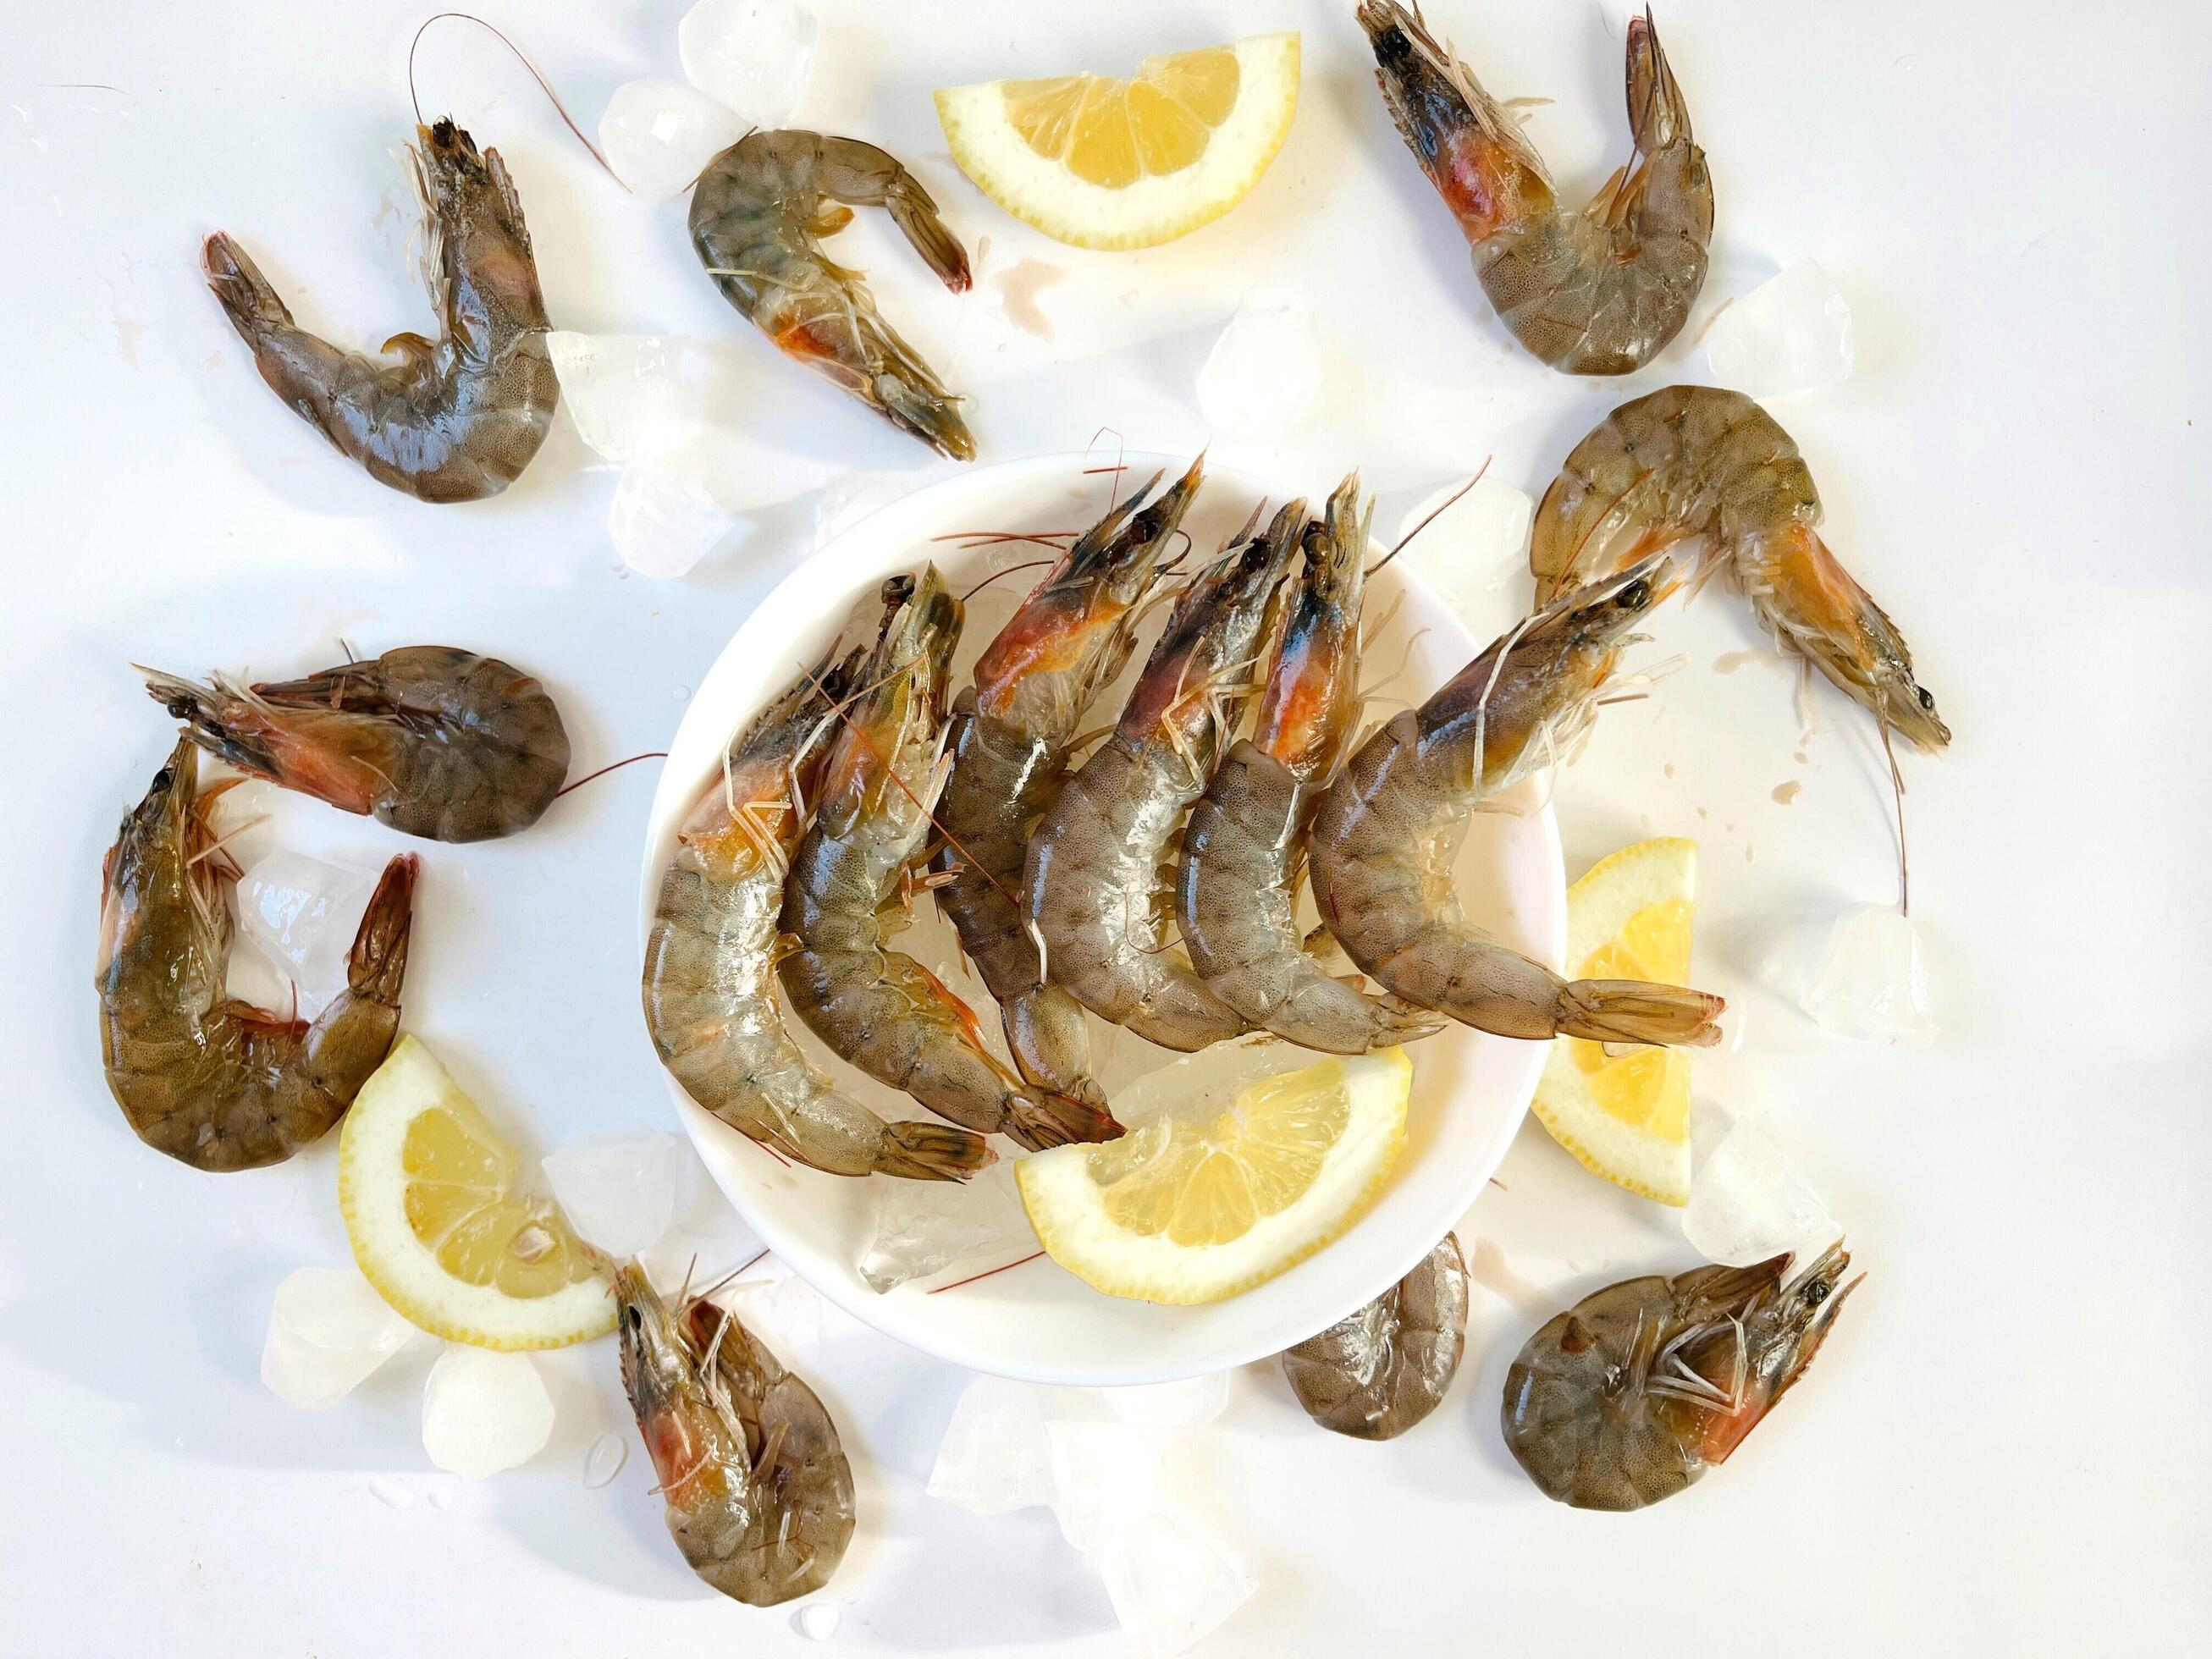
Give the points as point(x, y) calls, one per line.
point(458, 418)
point(1385, 1366)
point(1638, 1390)
point(1010, 740)
point(1597, 291)
point(709, 985)
point(755, 214)
point(434, 740)
point(1693, 461)
point(759, 1494)
point(1383, 843)
point(1099, 885)
point(875, 1007)
point(1244, 849)
point(211, 1081)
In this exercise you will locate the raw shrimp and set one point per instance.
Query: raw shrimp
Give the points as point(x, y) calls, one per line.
point(875, 1007)
point(213, 1082)
point(455, 419)
point(1243, 852)
point(1099, 885)
point(1638, 1390)
point(1011, 735)
point(1385, 1366)
point(1597, 291)
point(435, 741)
point(1382, 845)
point(756, 213)
point(759, 1494)
point(1694, 460)
point(709, 962)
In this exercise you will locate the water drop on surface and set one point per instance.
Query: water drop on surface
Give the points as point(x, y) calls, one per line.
point(817, 1621)
point(604, 1462)
point(389, 1492)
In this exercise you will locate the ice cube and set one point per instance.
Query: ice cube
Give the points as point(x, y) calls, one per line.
point(1191, 1403)
point(1786, 335)
point(753, 56)
point(660, 524)
point(1104, 1476)
point(1170, 1586)
point(328, 1329)
point(618, 388)
point(1261, 376)
point(483, 1412)
point(1202, 1083)
point(302, 914)
point(605, 1458)
point(1872, 983)
point(817, 1621)
point(996, 1456)
point(846, 500)
point(1747, 1202)
point(618, 1191)
point(1472, 547)
point(659, 135)
point(785, 1312)
point(924, 1227)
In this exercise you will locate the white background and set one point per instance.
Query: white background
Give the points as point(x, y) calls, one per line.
point(2003, 1446)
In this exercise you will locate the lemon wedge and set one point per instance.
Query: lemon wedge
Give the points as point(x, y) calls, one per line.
point(1104, 163)
point(1194, 1207)
point(432, 1207)
point(1626, 1115)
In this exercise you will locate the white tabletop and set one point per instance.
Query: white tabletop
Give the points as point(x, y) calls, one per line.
point(2003, 1446)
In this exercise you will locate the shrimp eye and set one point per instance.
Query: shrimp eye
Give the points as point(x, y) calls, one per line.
point(1818, 1291)
point(1927, 699)
point(1635, 596)
point(165, 777)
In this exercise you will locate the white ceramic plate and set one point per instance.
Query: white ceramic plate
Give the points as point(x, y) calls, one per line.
point(1037, 1321)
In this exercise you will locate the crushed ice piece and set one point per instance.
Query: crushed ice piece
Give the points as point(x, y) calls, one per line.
point(1262, 375)
point(785, 1312)
point(483, 1412)
point(1789, 334)
point(603, 1459)
point(689, 407)
point(924, 1227)
point(660, 525)
point(618, 1191)
point(754, 55)
point(1872, 982)
point(851, 497)
point(1473, 546)
point(659, 135)
point(1170, 1586)
point(302, 914)
point(817, 1621)
point(389, 1492)
point(328, 1329)
point(995, 1455)
point(621, 390)
point(1104, 1476)
point(1205, 1083)
point(1747, 1202)
point(1190, 1403)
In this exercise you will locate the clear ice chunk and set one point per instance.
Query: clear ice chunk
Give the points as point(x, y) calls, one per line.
point(752, 56)
point(659, 135)
point(785, 1312)
point(926, 1227)
point(846, 500)
point(1104, 1476)
point(1872, 982)
point(1170, 1586)
point(1473, 546)
point(996, 1455)
point(1747, 1202)
point(302, 914)
point(1190, 1403)
point(1789, 334)
point(620, 1191)
point(484, 1412)
point(1262, 375)
point(328, 1329)
point(660, 524)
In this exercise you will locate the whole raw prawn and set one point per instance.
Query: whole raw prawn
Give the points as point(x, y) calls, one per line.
point(1594, 291)
point(1383, 843)
point(456, 418)
point(759, 1494)
point(1638, 1390)
point(434, 740)
point(709, 986)
point(1010, 740)
point(1243, 851)
point(1098, 885)
point(1386, 1365)
point(1694, 460)
point(756, 214)
point(877, 1008)
point(213, 1082)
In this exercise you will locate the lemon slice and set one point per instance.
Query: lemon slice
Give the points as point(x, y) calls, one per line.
point(1193, 1208)
point(1117, 164)
point(1626, 1116)
point(428, 1193)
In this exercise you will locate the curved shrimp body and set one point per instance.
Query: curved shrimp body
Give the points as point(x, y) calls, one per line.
point(1243, 850)
point(1693, 461)
point(1636, 1390)
point(213, 1082)
point(1384, 841)
point(1009, 743)
point(709, 985)
point(455, 419)
point(1385, 1366)
point(759, 1494)
point(755, 214)
point(1098, 881)
point(1597, 291)
point(435, 741)
point(877, 1008)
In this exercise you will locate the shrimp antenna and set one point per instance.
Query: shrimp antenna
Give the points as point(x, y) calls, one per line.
point(1441, 509)
point(1896, 790)
point(520, 57)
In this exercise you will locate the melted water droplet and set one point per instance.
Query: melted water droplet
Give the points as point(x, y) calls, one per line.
point(1786, 792)
point(604, 1462)
point(817, 1621)
point(389, 1492)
